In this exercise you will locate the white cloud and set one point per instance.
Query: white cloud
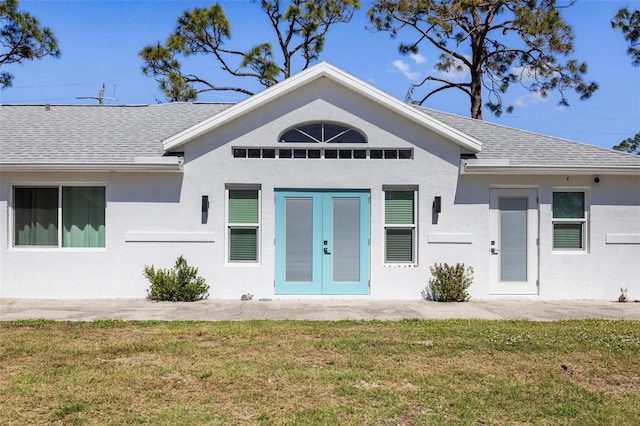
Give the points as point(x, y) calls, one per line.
point(530, 98)
point(537, 97)
point(418, 58)
point(405, 69)
point(454, 74)
point(526, 72)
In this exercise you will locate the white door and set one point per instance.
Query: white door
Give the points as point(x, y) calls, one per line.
point(513, 248)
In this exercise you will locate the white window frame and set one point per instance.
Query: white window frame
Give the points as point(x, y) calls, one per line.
point(257, 226)
point(58, 186)
point(584, 221)
point(413, 227)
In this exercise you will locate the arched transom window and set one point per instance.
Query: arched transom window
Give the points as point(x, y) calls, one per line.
point(322, 133)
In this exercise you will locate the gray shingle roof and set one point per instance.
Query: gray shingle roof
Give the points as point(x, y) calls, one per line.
point(118, 134)
point(93, 133)
point(524, 148)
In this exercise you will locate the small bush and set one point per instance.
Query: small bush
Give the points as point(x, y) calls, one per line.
point(449, 283)
point(179, 284)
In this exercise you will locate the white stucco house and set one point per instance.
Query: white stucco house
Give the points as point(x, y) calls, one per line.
point(321, 186)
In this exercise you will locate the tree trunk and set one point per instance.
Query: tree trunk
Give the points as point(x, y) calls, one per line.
point(476, 102)
point(477, 52)
point(476, 86)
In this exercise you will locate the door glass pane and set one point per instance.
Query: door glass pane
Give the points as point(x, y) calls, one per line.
point(36, 216)
point(346, 240)
point(513, 239)
point(298, 239)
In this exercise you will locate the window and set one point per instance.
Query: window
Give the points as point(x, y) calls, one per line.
point(400, 226)
point(322, 133)
point(569, 221)
point(65, 216)
point(326, 153)
point(243, 222)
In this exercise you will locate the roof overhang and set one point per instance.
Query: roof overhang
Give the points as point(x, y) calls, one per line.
point(140, 164)
point(503, 167)
point(328, 71)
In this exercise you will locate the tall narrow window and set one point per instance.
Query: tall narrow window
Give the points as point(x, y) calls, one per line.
point(243, 222)
point(569, 221)
point(37, 216)
point(400, 226)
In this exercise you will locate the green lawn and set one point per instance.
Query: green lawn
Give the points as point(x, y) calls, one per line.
point(325, 373)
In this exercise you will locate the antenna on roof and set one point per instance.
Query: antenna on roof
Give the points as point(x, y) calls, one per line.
point(100, 98)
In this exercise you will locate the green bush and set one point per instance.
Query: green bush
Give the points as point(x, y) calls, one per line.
point(449, 283)
point(179, 284)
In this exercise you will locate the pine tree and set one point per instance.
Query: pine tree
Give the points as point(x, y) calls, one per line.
point(22, 38)
point(499, 42)
point(299, 28)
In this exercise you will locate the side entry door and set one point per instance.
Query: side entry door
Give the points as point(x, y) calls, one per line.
point(513, 249)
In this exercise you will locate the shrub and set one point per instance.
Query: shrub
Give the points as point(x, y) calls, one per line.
point(449, 283)
point(179, 284)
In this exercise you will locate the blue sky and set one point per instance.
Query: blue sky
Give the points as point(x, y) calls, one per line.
point(100, 42)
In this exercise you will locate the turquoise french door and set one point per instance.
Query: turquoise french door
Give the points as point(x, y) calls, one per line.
point(322, 242)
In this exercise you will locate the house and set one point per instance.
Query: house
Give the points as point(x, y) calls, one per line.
point(319, 186)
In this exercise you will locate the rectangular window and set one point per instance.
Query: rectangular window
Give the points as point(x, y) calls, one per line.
point(569, 220)
point(243, 223)
point(67, 216)
point(400, 225)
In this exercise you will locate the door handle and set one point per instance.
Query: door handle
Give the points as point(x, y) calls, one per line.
point(494, 251)
point(326, 250)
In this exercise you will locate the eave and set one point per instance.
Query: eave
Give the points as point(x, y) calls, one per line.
point(140, 164)
point(502, 167)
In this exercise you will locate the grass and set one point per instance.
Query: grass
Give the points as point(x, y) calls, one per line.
point(324, 373)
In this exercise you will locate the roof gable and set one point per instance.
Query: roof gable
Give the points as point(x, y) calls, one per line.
point(306, 77)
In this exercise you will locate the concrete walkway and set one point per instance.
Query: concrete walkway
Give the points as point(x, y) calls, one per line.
point(220, 310)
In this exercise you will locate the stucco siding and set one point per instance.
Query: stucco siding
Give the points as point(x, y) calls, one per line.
point(152, 217)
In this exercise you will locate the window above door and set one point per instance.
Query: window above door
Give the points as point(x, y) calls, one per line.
point(321, 132)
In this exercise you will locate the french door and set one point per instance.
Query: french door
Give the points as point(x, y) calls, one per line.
point(322, 242)
point(513, 249)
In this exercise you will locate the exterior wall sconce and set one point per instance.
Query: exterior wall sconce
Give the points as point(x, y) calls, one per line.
point(596, 179)
point(437, 204)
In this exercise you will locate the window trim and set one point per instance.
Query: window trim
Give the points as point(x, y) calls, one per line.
point(11, 234)
point(257, 226)
point(413, 227)
point(584, 221)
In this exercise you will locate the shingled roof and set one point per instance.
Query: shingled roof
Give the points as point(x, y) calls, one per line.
point(93, 133)
point(86, 134)
point(524, 148)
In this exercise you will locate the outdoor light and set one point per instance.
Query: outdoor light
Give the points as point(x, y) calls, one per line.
point(596, 179)
point(437, 204)
point(205, 204)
